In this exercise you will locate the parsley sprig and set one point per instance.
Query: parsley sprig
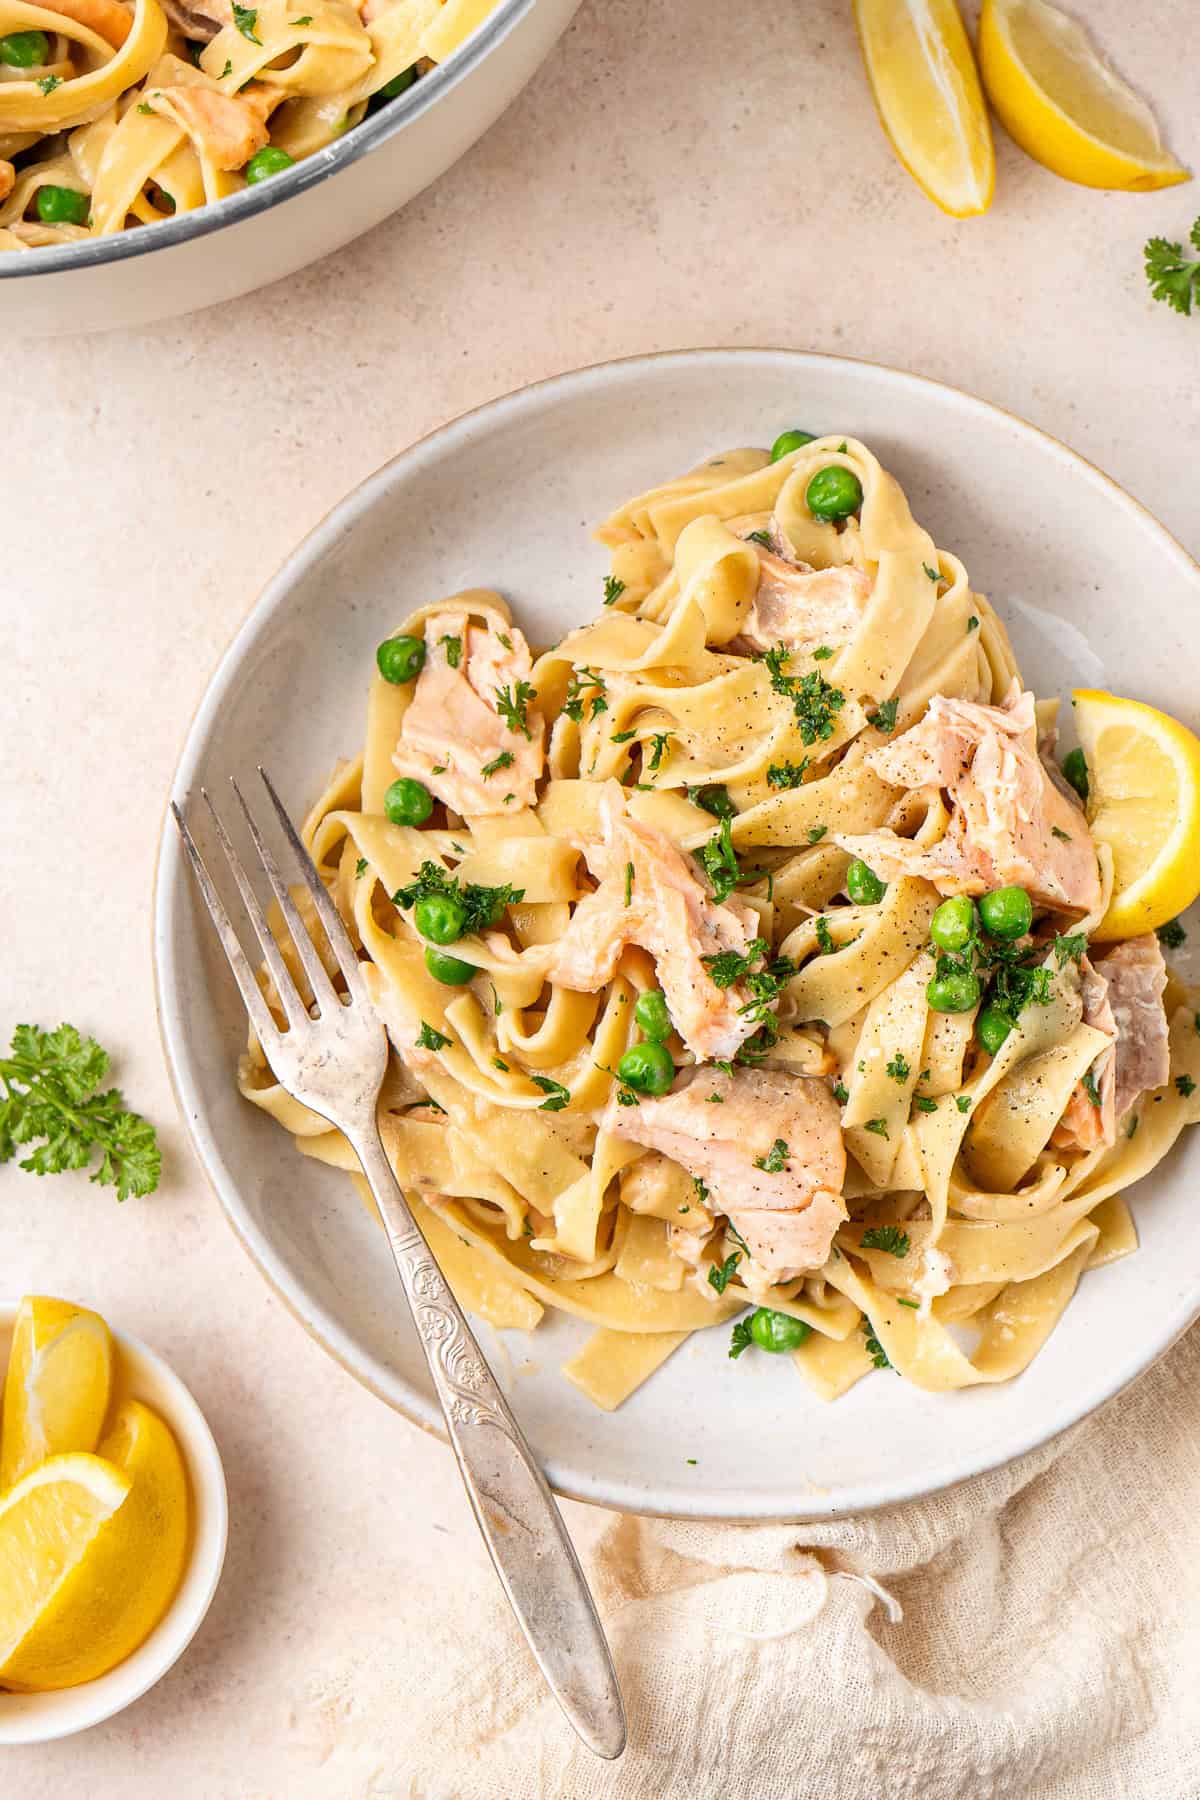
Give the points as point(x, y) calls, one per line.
point(889, 1238)
point(1172, 274)
point(484, 905)
point(50, 1081)
point(815, 702)
point(512, 705)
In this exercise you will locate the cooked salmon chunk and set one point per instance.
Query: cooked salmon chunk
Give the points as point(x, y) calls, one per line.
point(226, 128)
point(456, 736)
point(1009, 823)
point(649, 895)
point(1123, 996)
point(796, 605)
point(769, 1151)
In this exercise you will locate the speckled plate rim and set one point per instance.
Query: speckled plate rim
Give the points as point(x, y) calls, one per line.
point(169, 872)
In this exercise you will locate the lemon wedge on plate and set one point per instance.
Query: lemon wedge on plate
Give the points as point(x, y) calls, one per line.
point(57, 1388)
point(1062, 103)
point(92, 1550)
point(1144, 803)
point(926, 88)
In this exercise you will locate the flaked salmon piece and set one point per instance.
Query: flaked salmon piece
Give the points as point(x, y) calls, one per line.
point(769, 1151)
point(201, 21)
point(1009, 822)
point(650, 896)
point(454, 729)
point(228, 129)
point(107, 18)
point(796, 605)
point(1123, 996)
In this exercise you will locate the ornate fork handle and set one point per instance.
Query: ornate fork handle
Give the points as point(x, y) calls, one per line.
point(512, 1502)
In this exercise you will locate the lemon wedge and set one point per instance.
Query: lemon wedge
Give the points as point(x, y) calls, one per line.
point(57, 1388)
point(92, 1550)
point(1062, 103)
point(926, 88)
point(1144, 803)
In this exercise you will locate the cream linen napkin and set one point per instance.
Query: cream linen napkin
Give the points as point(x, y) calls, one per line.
point(1049, 1646)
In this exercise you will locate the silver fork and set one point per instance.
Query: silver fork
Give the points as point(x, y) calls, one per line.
point(335, 1064)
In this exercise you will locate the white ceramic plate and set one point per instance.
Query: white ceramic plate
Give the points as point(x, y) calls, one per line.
point(37, 1718)
point(1095, 593)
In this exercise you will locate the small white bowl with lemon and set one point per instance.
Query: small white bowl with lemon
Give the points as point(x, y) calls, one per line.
point(113, 1520)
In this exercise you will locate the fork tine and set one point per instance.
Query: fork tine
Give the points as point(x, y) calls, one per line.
point(306, 950)
point(252, 995)
point(331, 918)
point(285, 987)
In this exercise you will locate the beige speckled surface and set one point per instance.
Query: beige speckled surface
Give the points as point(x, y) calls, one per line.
point(677, 174)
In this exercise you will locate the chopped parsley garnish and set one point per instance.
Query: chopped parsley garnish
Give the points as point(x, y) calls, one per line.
point(841, 1093)
point(145, 107)
point(228, 69)
point(1185, 1086)
point(963, 1102)
point(924, 1103)
point(720, 1277)
point(884, 717)
point(715, 1099)
point(246, 18)
point(933, 574)
point(512, 705)
point(1090, 1088)
point(622, 737)
point(429, 1039)
point(1171, 935)
point(504, 638)
point(1058, 832)
point(613, 589)
point(50, 1082)
point(48, 83)
point(558, 1094)
point(775, 1159)
point(503, 761)
point(1132, 1126)
point(825, 943)
point(658, 746)
point(712, 799)
point(740, 1338)
point(453, 650)
point(701, 1191)
point(760, 537)
point(716, 857)
point(1070, 948)
point(360, 868)
point(578, 695)
point(788, 774)
point(972, 624)
point(484, 905)
point(816, 833)
point(899, 1068)
point(875, 1349)
point(822, 653)
point(498, 1062)
point(889, 1238)
point(915, 1305)
point(815, 702)
point(628, 883)
point(878, 1126)
point(305, 20)
point(1173, 275)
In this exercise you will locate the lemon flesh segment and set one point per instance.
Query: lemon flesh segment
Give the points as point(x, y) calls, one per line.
point(1144, 803)
point(49, 1523)
point(1060, 101)
point(926, 88)
point(57, 1389)
point(113, 1590)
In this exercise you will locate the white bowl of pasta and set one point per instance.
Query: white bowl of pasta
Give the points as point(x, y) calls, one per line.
point(809, 1151)
point(167, 156)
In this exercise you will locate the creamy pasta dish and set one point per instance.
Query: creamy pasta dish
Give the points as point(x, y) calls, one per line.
point(116, 114)
point(743, 955)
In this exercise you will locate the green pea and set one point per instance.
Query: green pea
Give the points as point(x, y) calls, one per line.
point(787, 441)
point(24, 49)
point(400, 659)
point(715, 800)
point(652, 1015)
point(992, 1027)
point(953, 924)
point(1006, 913)
point(62, 206)
point(953, 993)
point(833, 493)
point(863, 885)
point(270, 160)
point(776, 1331)
point(407, 802)
point(1074, 767)
point(398, 83)
point(647, 1068)
point(450, 969)
point(442, 917)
